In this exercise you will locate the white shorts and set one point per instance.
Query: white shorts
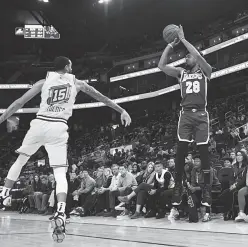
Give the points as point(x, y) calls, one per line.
point(52, 135)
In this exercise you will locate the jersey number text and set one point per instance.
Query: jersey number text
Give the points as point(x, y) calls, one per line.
point(59, 94)
point(192, 87)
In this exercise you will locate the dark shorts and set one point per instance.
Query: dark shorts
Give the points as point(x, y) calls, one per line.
point(193, 125)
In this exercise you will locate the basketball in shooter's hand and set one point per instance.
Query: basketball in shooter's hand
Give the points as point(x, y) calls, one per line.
point(125, 119)
point(175, 42)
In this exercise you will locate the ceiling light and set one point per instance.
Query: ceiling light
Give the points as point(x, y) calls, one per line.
point(104, 1)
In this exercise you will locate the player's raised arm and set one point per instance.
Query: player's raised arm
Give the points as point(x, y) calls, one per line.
point(19, 103)
point(91, 91)
point(163, 62)
point(207, 69)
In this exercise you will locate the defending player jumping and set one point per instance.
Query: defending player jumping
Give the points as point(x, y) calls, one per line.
point(194, 119)
point(49, 129)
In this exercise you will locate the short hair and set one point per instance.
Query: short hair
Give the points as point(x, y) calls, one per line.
point(158, 163)
point(61, 62)
point(114, 165)
point(197, 156)
point(227, 158)
point(124, 165)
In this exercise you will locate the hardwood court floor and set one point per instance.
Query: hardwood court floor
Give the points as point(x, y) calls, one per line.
point(34, 231)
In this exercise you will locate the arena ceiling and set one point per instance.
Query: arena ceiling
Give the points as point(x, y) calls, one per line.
point(87, 26)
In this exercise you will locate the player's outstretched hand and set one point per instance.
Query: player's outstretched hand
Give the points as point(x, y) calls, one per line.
point(125, 119)
point(180, 33)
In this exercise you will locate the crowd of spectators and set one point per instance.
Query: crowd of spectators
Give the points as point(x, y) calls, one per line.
point(138, 164)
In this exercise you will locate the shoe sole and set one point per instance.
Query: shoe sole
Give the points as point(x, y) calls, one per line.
point(176, 203)
point(205, 204)
point(58, 230)
point(240, 220)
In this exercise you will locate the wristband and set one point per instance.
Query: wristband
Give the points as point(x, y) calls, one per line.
point(171, 45)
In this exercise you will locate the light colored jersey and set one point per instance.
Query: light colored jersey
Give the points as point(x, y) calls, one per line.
point(58, 96)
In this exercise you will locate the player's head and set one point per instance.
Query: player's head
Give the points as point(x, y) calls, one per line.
point(191, 60)
point(63, 64)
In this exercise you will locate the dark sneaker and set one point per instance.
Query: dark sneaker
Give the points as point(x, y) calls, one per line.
point(177, 194)
point(110, 214)
point(136, 215)
point(123, 199)
point(58, 225)
point(150, 214)
point(206, 196)
point(160, 215)
point(101, 213)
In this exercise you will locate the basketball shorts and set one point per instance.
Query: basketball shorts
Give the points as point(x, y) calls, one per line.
point(193, 125)
point(52, 135)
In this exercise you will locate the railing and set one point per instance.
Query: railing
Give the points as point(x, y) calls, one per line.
point(214, 122)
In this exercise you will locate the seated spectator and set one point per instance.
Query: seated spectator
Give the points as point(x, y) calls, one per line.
point(240, 164)
point(126, 184)
point(233, 157)
point(102, 204)
point(51, 200)
point(84, 192)
point(147, 176)
point(135, 170)
point(41, 197)
point(212, 145)
point(242, 187)
point(130, 168)
point(197, 184)
point(171, 165)
point(87, 186)
point(36, 188)
point(73, 195)
point(159, 195)
point(101, 182)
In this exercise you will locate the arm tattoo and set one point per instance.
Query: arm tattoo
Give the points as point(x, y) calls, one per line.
point(100, 97)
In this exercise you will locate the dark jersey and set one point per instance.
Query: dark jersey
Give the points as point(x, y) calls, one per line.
point(193, 89)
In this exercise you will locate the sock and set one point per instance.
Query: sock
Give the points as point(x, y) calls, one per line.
point(61, 207)
point(5, 192)
point(182, 150)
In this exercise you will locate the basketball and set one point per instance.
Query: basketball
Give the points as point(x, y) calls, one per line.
point(170, 33)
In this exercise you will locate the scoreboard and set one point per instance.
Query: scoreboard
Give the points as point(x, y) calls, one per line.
point(40, 32)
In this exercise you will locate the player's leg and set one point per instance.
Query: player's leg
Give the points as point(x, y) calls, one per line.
point(30, 145)
point(12, 176)
point(59, 220)
point(202, 139)
point(56, 146)
point(185, 130)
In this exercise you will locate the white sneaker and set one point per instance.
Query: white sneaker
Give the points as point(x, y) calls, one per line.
point(73, 212)
point(206, 217)
point(124, 215)
point(5, 201)
point(241, 217)
point(173, 214)
point(58, 225)
point(120, 207)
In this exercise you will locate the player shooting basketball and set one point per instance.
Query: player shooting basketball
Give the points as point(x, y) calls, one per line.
point(194, 118)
